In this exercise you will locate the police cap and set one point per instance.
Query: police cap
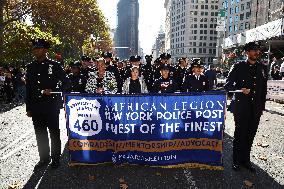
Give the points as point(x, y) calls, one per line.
point(85, 58)
point(75, 64)
point(165, 56)
point(252, 46)
point(197, 63)
point(40, 43)
point(135, 58)
point(107, 55)
point(148, 57)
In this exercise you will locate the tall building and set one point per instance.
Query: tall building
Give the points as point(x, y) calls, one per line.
point(242, 15)
point(127, 28)
point(252, 20)
point(238, 16)
point(264, 11)
point(191, 28)
point(159, 46)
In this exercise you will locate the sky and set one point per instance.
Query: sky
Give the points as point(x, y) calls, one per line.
point(151, 18)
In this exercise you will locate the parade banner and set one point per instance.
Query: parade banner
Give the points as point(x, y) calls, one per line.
point(179, 130)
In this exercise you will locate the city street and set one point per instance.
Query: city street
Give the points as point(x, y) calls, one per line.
point(18, 155)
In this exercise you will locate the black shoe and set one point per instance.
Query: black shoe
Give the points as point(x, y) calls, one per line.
point(236, 167)
point(249, 167)
point(55, 164)
point(41, 163)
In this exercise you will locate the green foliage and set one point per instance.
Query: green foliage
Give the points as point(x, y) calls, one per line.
point(67, 24)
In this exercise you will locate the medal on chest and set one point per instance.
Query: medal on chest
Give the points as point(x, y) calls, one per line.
point(50, 69)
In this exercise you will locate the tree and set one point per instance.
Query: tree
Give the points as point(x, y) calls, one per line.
point(70, 22)
point(10, 11)
point(18, 36)
point(74, 21)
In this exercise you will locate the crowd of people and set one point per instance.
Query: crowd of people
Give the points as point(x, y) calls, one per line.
point(277, 69)
point(109, 75)
point(12, 84)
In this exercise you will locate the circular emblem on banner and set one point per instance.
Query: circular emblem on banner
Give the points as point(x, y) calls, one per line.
point(84, 117)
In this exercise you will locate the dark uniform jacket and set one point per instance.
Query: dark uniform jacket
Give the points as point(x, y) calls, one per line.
point(180, 74)
point(40, 76)
point(163, 85)
point(148, 74)
point(253, 77)
point(78, 83)
point(192, 84)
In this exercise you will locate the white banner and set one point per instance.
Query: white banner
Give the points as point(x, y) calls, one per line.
point(275, 90)
point(266, 31)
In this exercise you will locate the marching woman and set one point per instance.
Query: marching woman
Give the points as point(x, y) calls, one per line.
point(134, 84)
point(197, 81)
point(101, 81)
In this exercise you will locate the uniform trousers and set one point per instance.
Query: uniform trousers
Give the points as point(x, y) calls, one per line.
point(42, 122)
point(246, 127)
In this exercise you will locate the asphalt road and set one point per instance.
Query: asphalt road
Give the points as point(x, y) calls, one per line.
point(18, 155)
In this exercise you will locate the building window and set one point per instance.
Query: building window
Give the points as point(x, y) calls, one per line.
point(241, 16)
point(247, 26)
point(248, 5)
point(236, 9)
point(236, 18)
point(241, 26)
point(247, 15)
point(242, 7)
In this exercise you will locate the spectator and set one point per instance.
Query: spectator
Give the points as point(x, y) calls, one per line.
point(282, 70)
point(273, 64)
point(275, 73)
point(8, 87)
point(20, 91)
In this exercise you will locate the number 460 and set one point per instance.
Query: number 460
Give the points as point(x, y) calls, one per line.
point(87, 125)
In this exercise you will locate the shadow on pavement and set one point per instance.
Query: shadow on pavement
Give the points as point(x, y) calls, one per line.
point(142, 177)
point(5, 107)
point(229, 179)
point(274, 112)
